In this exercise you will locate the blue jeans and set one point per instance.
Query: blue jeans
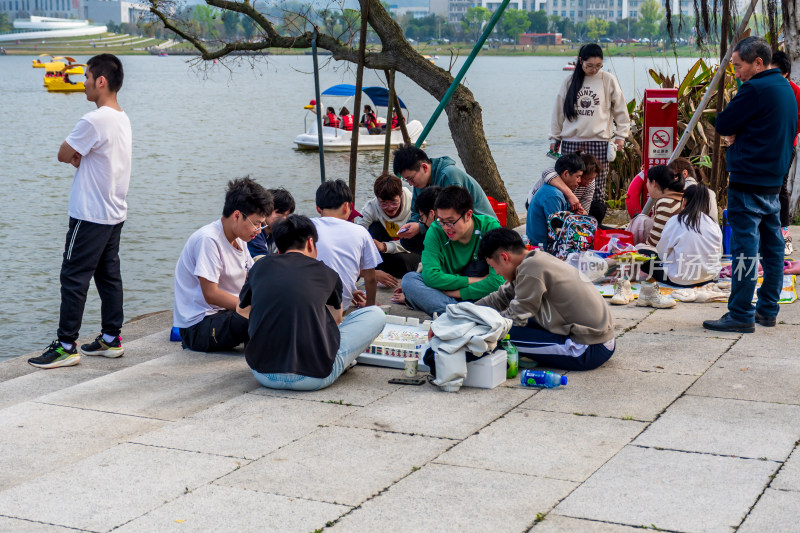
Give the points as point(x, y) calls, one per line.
point(358, 330)
point(424, 298)
point(755, 235)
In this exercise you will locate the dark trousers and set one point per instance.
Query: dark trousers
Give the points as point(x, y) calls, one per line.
point(397, 264)
point(784, 196)
point(755, 235)
point(91, 251)
point(556, 351)
point(221, 331)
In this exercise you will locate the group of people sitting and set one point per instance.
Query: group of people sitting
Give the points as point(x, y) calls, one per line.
point(284, 284)
point(681, 235)
point(369, 120)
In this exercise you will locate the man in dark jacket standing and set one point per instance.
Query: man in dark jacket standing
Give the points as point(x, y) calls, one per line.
point(761, 122)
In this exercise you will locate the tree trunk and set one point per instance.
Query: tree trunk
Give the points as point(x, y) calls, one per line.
point(791, 33)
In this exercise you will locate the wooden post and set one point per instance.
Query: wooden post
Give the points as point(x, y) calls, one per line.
point(362, 46)
point(717, 173)
point(319, 107)
point(387, 147)
point(401, 118)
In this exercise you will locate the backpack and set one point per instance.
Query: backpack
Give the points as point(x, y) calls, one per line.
point(568, 232)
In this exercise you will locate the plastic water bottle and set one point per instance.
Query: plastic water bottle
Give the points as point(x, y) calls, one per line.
point(513, 357)
point(542, 378)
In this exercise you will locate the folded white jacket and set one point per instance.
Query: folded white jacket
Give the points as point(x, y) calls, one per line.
point(465, 327)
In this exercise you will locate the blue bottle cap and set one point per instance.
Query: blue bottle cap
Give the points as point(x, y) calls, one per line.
point(563, 380)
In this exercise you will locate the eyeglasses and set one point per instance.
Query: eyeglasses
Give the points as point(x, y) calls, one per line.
point(449, 225)
point(590, 66)
point(259, 226)
point(395, 203)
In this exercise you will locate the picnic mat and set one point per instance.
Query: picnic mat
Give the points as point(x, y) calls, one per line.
point(788, 292)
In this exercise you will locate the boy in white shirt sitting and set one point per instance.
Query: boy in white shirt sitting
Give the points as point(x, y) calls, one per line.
point(213, 267)
point(345, 247)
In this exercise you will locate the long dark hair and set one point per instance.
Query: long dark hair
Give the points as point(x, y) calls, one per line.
point(575, 84)
point(666, 178)
point(697, 198)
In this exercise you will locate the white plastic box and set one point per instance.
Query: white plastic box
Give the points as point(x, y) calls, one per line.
point(487, 372)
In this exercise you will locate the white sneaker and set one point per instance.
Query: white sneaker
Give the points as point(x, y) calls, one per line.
point(623, 295)
point(684, 295)
point(650, 296)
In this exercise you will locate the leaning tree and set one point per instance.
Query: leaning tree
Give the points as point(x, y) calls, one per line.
point(463, 111)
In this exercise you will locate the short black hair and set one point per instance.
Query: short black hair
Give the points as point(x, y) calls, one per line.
point(426, 200)
point(781, 60)
point(571, 162)
point(456, 198)
point(110, 67)
point(332, 194)
point(283, 200)
point(247, 197)
point(666, 178)
point(408, 157)
point(387, 187)
point(751, 48)
point(292, 232)
point(500, 239)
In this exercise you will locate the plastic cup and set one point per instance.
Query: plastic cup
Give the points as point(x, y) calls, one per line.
point(410, 368)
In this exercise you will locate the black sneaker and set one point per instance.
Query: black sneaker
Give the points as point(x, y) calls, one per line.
point(55, 356)
point(106, 349)
point(766, 321)
point(726, 323)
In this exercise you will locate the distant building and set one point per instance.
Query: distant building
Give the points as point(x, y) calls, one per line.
point(98, 11)
point(414, 11)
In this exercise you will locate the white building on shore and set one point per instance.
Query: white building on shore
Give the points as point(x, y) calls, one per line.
point(97, 11)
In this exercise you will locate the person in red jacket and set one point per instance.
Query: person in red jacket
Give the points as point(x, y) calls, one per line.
point(782, 62)
point(347, 119)
point(331, 119)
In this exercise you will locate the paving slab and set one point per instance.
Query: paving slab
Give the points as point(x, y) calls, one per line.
point(248, 426)
point(116, 486)
point(781, 342)
point(36, 384)
point(212, 508)
point(613, 392)
point(622, 325)
point(751, 378)
point(170, 387)
point(554, 523)
point(426, 410)
point(337, 465)
point(534, 443)
point(455, 498)
point(37, 438)
point(671, 490)
point(789, 313)
point(361, 385)
point(13, 525)
point(788, 477)
point(686, 320)
point(631, 311)
point(656, 352)
point(726, 427)
point(776, 512)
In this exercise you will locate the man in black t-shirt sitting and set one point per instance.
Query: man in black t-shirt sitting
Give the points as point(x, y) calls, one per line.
point(298, 339)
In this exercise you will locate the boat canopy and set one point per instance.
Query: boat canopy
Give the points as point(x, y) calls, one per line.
point(378, 95)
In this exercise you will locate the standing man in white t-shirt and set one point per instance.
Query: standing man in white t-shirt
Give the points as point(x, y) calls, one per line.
point(99, 147)
point(213, 268)
point(345, 247)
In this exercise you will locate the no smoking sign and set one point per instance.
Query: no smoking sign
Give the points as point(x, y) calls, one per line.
point(660, 141)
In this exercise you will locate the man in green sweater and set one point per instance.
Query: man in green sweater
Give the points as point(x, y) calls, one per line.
point(451, 270)
point(414, 166)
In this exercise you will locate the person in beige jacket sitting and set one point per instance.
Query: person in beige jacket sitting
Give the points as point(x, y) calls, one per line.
point(560, 319)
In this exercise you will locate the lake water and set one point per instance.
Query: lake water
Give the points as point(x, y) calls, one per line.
point(193, 131)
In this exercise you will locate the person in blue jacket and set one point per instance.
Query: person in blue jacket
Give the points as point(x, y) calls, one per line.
point(414, 166)
point(760, 122)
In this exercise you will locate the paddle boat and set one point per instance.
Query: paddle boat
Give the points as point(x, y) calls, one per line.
point(337, 139)
point(38, 63)
point(60, 82)
point(569, 66)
